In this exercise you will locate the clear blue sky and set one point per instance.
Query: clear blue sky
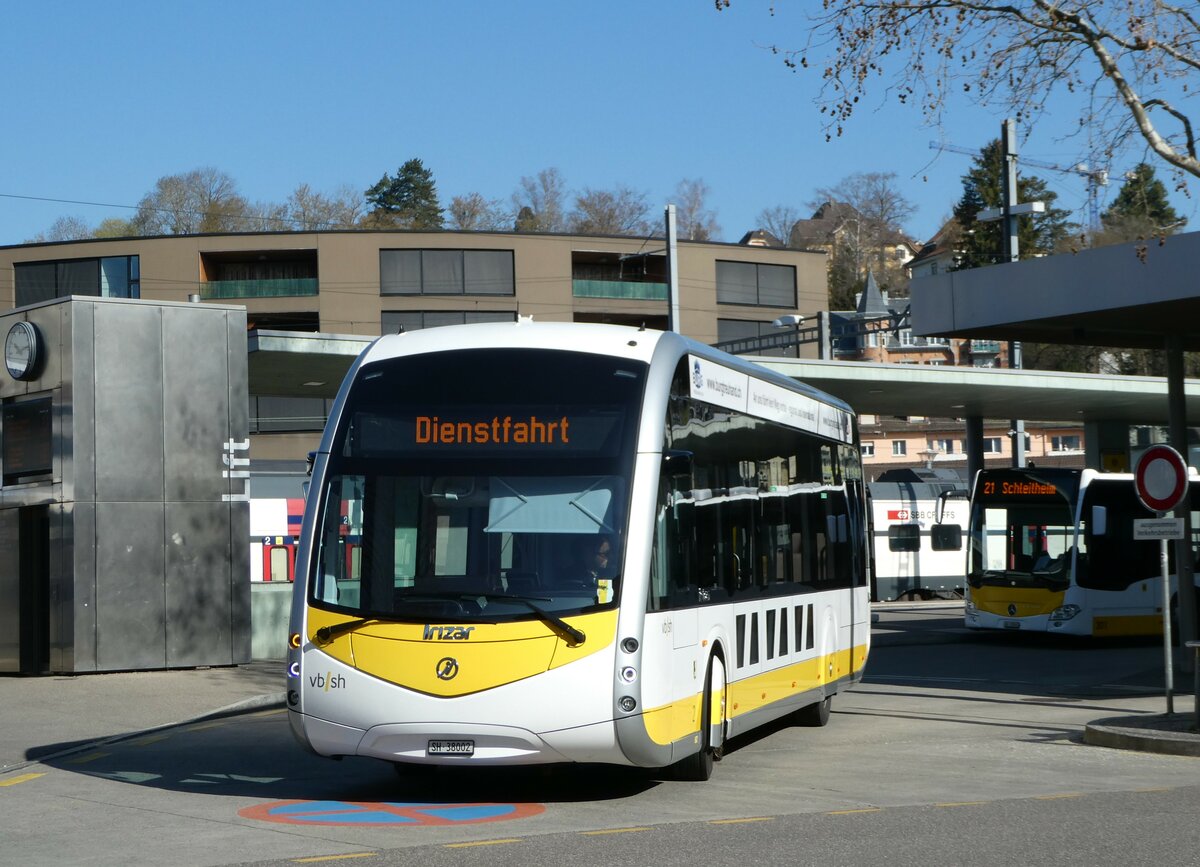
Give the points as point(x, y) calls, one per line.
point(102, 99)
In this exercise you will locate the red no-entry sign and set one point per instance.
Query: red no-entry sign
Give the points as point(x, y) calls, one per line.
point(1160, 478)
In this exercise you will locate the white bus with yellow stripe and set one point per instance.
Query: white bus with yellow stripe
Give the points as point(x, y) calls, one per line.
point(1053, 550)
point(543, 543)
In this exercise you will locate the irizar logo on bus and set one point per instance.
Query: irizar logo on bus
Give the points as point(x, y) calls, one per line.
point(447, 633)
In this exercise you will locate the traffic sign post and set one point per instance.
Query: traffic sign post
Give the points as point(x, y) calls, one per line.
point(1161, 481)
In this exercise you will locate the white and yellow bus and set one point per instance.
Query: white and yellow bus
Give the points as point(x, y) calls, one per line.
point(1052, 550)
point(543, 543)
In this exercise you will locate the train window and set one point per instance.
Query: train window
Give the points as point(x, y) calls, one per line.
point(946, 537)
point(904, 537)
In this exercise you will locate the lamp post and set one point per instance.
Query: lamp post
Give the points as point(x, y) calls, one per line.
point(791, 320)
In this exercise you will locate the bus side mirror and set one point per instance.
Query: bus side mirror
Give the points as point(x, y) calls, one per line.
point(676, 463)
point(1099, 520)
point(945, 537)
point(309, 460)
point(956, 494)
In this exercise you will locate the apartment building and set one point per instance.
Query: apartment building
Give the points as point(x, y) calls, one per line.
point(365, 283)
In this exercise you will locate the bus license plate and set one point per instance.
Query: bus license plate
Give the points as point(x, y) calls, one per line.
point(1012, 624)
point(451, 748)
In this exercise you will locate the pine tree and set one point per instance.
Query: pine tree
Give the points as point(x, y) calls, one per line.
point(407, 201)
point(1140, 209)
point(983, 187)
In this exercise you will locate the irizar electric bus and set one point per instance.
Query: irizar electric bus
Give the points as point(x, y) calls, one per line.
point(1052, 550)
point(573, 543)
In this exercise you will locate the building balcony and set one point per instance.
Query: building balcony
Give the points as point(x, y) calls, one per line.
point(217, 290)
point(985, 347)
point(624, 290)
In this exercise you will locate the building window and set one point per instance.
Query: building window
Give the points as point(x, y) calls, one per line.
point(107, 277)
point(899, 448)
point(867, 449)
point(992, 445)
point(942, 445)
point(446, 272)
point(756, 284)
point(905, 337)
point(393, 322)
point(1065, 443)
point(933, 269)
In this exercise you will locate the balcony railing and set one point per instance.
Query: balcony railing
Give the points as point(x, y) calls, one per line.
point(221, 289)
point(622, 289)
point(985, 347)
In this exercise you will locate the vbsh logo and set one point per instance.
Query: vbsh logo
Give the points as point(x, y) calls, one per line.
point(447, 633)
point(327, 681)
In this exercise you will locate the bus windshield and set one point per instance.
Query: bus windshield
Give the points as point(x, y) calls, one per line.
point(479, 485)
point(1022, 532)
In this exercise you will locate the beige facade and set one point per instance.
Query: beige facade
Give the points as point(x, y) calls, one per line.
point(896, 443)
point(362, 282)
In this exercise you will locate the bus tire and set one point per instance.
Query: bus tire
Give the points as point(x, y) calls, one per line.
point(698, 767)
point(815, 714)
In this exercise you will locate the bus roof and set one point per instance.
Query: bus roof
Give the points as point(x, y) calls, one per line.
point(622, 341)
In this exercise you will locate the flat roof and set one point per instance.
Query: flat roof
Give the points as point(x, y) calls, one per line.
point(295, 364)
point(300, 364)
point(962, 392)
point(1126, 295)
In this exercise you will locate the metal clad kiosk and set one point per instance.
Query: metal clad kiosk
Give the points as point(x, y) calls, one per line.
point(122, 517)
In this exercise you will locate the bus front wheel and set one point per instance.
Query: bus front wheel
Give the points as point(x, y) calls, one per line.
point(698, 767)
point(815, 714)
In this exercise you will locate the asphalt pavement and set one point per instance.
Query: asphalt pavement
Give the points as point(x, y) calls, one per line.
point(42, 718)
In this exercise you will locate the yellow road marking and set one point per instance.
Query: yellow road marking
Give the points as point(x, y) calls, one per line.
point(850, 812)
point(962, 804)
point(612, 831)
point(741, 821)
point(1058, 796)
point(149, 739)
point(90, 757)
point(333, 857)
point(24, 778)
point(484, 843)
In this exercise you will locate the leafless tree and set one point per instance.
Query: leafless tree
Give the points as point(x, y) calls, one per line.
point(1129, 64)
point(309, 210)
point(694, 220)
point(69, 228)
point(202, 200)
point(779, 221)
point(473, 212)
point(866, 213)
point(538, 202)
point(621, 211)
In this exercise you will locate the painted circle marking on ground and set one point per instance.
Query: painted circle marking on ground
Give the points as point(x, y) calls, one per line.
point(386, 813)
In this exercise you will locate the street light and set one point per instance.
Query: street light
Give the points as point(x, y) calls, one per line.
point(791, 320)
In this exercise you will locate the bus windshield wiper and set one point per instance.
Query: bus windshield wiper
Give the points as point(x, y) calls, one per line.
point(326, 634)
point(576, 636)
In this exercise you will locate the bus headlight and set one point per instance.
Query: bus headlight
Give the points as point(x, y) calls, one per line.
point(629, 674)
point(1064, 612)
